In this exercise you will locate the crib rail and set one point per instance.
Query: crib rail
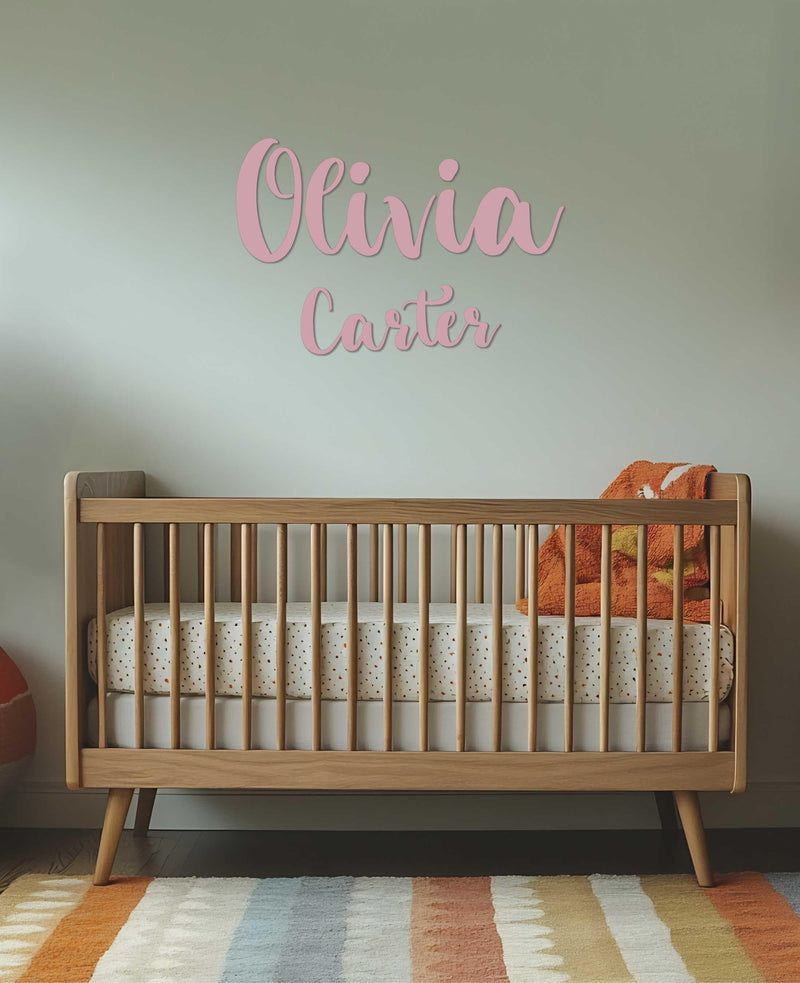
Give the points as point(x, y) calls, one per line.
point(374, 511)
point(116, 520)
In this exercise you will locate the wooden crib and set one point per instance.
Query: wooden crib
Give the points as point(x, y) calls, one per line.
point(109, 519)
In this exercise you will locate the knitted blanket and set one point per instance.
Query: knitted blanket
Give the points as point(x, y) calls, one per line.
point(642, 479)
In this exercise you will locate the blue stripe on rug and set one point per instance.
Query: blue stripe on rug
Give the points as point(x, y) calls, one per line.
point(260, 940)
point(313, 950)
point(789, 886)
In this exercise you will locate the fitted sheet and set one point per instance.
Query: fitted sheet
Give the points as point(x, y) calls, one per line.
point(405, 654)
point(405, 725)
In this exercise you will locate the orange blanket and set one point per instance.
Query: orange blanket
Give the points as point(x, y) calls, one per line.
point(642, 479)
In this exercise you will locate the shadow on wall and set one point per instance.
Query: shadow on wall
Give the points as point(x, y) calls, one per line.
point(50, 426)
point(774, 659)
point(55, 418)
point(45, 413)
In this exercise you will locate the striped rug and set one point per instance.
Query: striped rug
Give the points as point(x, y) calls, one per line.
point(602, 929)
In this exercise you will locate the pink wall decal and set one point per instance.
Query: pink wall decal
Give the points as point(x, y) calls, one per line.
point(407, 231)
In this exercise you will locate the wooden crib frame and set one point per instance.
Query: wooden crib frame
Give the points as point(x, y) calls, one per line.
point(105, 519)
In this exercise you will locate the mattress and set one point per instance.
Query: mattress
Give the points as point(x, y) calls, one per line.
point(405, 654)
point(405, 722)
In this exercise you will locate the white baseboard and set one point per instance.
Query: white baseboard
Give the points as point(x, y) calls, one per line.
point(42, 803)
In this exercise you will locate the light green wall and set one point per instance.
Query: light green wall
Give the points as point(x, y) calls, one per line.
point(135, 330)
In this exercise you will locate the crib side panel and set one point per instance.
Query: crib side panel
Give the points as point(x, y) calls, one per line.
point(80, 555)
point(734, 591)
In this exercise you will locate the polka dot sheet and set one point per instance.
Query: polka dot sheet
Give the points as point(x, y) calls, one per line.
point(405, 654)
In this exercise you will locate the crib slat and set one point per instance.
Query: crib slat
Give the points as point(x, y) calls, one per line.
point(373, 562)
point(424, 630)
point(388, 632)
point(533, 634)
point(569, 634)
point(497, 637)
point(316, 639)
point(102, 637)
point(165, 560)
point(200, 561)
point(246, 575)
point(641, 634)
point(605, 634)
point(677, 643)
point(352, 637)
point(282, 563)
point(461, 636)
point(236, 561)
point(453, 536)
point(254, 561)
point(713, 669)
point(520, 563)
point(479, 563)
point(175, 633)
point(323, 563)
point(402, 563)
point(138, 632)
point(210, 626)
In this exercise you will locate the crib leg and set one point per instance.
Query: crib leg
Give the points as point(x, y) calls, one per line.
point(144, 811)
point(665, 804)
point(119, 800)
point(688, 804)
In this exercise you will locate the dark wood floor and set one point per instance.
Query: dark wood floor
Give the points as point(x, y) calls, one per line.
point(212, 853)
